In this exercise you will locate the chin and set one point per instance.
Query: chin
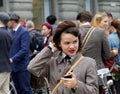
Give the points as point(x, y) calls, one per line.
point(72, 54)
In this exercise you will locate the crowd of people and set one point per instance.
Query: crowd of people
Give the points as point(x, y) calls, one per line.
point(55, 52)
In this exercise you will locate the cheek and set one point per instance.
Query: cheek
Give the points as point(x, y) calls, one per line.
point(44, 31)
point(63, 47)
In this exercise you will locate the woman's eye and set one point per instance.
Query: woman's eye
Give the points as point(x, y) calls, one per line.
point(75, 42)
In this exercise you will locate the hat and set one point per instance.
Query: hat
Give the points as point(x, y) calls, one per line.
point(4, 17)
point(14, 16)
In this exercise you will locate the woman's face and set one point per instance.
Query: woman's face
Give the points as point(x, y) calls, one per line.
point(104, 23)
point(45, 30)
point(69, 44)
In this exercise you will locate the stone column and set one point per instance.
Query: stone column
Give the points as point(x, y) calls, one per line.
point(112, 6)
point(21, 7)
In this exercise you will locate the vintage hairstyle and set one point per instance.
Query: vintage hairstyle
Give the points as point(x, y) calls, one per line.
point(66, 27)
point(116, 24)
point(98, 18)
point(84, 16)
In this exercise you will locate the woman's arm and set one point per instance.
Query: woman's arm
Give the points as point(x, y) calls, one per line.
point(40, 64)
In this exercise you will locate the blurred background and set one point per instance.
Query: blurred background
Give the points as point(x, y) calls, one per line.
point(38, 10)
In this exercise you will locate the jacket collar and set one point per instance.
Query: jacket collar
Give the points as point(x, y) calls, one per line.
point(73, 59)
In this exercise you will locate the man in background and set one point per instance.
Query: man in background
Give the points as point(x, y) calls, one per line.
point(97, 46)
point(19, 55)
point(51, 19)
point(5, 43)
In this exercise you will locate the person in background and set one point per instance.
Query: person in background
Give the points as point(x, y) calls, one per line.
point(66, 43)
point(47, 32)
point(98, 41)
point(110, 17)
point(23, 22)
point(51, 19)
point(100, 20)
point(114, 39)
point(19, 55)
point(36, 37)
point(5, 44)
point(97, 46)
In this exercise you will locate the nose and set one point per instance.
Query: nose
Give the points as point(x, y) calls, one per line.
point(72, 45)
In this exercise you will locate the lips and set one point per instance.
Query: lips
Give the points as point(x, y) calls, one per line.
point(71, 51)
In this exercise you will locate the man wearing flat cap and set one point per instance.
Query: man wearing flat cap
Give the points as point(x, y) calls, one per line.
point(19, 55)
point(5, 43)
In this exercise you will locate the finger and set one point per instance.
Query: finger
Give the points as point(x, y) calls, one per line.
point(65, 79)
point(72, 74)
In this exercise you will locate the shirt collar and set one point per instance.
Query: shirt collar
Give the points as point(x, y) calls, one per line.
point(15, 29)
point(87, 23)
point(63, 55)
point(2, 26)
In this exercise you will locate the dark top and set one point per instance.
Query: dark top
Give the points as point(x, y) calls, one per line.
point(5, 43)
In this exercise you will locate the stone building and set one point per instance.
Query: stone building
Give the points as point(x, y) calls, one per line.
point(38, 10)
point(22, 7)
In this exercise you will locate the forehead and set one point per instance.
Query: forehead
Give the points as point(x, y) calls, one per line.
point(68, 37)
point(45, 27)
point(105, 18)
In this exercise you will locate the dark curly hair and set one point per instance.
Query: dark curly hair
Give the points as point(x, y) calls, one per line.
point(66, 27)
point(116, 24)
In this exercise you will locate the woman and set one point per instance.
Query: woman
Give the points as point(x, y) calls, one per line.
point(47, 32)
point(114, 38)
point(100, 20)
point(83, 78)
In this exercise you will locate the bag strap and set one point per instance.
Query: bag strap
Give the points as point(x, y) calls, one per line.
point(72, 67)
point(86, 38)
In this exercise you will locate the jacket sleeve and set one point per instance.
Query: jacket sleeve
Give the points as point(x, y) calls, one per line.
point(24, 47)
point(39, 65)
point(105, 46)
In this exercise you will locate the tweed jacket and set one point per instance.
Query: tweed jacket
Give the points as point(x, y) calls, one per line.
point(45, 63)
point(19, 51)
point(5, 44)
point(97, 46)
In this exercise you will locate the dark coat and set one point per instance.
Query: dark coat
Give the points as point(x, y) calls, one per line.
point(5, 43)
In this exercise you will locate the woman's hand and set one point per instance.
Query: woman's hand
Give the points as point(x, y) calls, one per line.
point(53, 47)
point(70, 82)
point(115, 51)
